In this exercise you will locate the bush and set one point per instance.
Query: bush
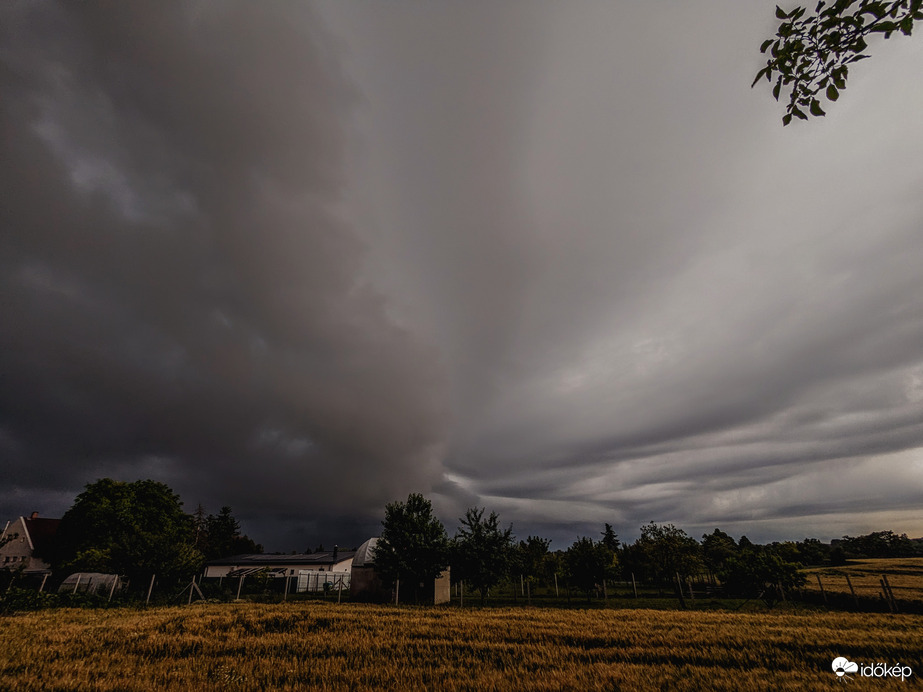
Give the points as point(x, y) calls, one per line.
point(23, 600)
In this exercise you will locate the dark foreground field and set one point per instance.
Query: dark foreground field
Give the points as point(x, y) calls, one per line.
point(317, 646)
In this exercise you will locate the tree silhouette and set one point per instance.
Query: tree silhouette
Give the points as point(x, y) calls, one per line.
point(812, 53)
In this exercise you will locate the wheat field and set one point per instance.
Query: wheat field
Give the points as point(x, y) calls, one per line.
point(905, 576)
point(317, 646)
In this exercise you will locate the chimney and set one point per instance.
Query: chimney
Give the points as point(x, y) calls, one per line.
point(336, 549)
point(34, 515)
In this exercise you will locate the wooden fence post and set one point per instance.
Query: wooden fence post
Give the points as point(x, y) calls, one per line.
point(150, 589)
point(890, 592)
point(884, 591)
point(821, 585)
point(852, 591)
point(634, 586)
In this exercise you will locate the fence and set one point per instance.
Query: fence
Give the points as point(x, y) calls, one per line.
point(316, 581)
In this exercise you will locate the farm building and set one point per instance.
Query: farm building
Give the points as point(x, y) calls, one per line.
point(368, 586)
point(338, 561)
point(30, 541)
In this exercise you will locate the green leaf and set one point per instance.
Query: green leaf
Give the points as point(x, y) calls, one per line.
point(786, 119)
point(798, 113)
point(776, 89)
point(765, 45)
point(884, 27)
point(832, 93)
point(816, 110)
point(764, 71)
point(780, 13)
point(907, 25)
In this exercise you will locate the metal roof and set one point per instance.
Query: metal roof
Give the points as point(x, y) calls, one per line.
point(261, 560)
point(365, 555)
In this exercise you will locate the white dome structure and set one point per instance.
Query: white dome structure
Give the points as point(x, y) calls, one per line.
point(365, 555)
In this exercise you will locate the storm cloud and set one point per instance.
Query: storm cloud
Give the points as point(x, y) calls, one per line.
point(555, 259)
point(181, 298)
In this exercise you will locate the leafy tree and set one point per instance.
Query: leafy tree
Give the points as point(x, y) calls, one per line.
point(879, 544)
point(134, 529)
point(223, 537)
point(787, 550)
point(532, 557)
point(668, 550)
point(811, 53)
point(717, 547)
point(588, 563)
point(758, 571)
point(632, 562)
point(413, 546)
point(813, 552)
point(552, 566)
point(837, 556)
point(482, 552)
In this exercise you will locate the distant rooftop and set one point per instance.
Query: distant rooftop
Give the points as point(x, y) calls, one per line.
point(262, 560)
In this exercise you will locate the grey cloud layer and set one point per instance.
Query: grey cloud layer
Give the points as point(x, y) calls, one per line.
point(692, 315)
point(552, 258)
point(180, 296)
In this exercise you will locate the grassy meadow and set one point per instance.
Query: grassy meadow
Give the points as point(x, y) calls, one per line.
point(325, 646)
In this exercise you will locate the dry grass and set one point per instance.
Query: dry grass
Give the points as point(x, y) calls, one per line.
point(320, 646)
point(904, 574)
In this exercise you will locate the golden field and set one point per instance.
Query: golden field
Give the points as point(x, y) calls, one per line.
point(320, 646)
point(905, 575)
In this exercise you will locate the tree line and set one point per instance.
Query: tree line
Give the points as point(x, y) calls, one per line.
point(140, 528)
point(415, 548)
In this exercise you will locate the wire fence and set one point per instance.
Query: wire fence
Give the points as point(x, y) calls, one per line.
point(897, 593)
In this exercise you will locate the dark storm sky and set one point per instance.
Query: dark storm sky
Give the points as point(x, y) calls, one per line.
point(555, 259)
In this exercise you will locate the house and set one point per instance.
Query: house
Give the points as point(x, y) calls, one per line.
point(26, 542)
point(339, 561)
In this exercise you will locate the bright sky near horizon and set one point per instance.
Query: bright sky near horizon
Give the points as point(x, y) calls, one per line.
point(555, 259)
